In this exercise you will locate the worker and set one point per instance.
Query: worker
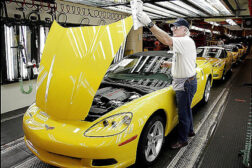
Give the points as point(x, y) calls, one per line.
point(220, 42)
point(183, 69)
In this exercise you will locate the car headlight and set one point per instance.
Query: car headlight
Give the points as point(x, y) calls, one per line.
point(110, 126)
point(32, 110)
point(217, 65)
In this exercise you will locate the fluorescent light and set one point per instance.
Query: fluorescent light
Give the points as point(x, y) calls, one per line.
point(23, 41)
point(162, 10)
point(213, 23)
point(218, 5)
point(205, 6)
point(43, 35)
point(158, 12)
point(176, 8)
point(9, 51)
point(216, 32)
point(229, 35)
point(184, 5)
point(119, 9)
point(231, 22)
point(203, 30)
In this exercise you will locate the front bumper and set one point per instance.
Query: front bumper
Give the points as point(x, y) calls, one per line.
point(64, 148)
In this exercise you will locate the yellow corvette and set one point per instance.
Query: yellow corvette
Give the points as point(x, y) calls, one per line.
point(220, 59)
point(233, 49)
point(241, 49)
point(90, 114)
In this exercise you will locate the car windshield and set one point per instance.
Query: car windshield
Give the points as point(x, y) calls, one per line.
point(228, 47)
point(238, 45)
point(208, 52)
point(141, 70)
point(231, 48)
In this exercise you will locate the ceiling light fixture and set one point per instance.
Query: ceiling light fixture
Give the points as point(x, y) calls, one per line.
point(231, 22)
point(205, 6)
point(203, 30)
point(218, 5)
point(213, 23)
point(162, 10)
point(158, 12)
point(191, 9)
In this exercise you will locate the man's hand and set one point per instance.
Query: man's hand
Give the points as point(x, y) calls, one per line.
point(143, 18)
point(166, 64)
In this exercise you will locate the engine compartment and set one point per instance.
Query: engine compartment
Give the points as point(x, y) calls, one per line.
point(108, 98)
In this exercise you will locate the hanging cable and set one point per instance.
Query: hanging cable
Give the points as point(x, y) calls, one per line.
point(32, 5)
point(65, 19)
point(88, 21)
point(34, 12)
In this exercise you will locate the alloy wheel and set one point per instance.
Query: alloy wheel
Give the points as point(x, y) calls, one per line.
point(207, 90)
point(155, 138)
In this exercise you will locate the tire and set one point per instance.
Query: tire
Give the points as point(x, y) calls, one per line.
point(149, 146)
point(223, 78)
point(207, 91)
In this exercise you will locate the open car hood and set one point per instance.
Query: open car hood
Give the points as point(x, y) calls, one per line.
point(73, 64)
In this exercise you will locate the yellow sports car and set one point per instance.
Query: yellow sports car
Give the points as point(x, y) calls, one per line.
point(220, 59)
point(241, 49)
point(233, 49)
point(88, 114)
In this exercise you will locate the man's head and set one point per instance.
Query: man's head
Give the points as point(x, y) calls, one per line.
point(180, 28)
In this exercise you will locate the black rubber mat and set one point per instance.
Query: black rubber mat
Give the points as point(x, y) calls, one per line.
point(229, 138)
point(11, 125)
point(11, 130)
point(13, 113)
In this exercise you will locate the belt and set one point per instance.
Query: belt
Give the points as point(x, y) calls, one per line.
point(191, 78)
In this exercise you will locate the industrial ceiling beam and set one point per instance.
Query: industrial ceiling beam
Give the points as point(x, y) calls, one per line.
point(211, 17)
point(185, 1)
point(229, 6)
point(238, 9)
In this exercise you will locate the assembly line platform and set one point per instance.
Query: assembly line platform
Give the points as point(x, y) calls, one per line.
point(220, 144)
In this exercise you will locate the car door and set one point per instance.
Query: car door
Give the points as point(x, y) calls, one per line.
point(200, 86)
point(227, 60)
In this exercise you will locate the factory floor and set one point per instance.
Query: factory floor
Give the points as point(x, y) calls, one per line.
point(220, 145)
point(230, 134)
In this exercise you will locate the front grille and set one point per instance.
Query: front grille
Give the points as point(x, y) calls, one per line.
point(103, 162)
point(75, 158)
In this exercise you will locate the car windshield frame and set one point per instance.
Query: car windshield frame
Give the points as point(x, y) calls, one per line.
point(206, 54)
point(141, 69)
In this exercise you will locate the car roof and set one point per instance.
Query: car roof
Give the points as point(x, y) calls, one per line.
point(229, 45)
point(211, 47)
point(153, 53)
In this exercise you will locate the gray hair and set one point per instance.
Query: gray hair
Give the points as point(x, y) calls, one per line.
point(187, 31)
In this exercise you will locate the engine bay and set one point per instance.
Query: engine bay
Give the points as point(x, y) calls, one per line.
point(108, 98)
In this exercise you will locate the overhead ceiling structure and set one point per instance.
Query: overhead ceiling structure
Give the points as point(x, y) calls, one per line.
point(169, 9)
point(212, 10)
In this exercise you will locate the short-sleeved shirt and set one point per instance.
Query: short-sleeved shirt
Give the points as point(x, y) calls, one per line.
point(184, 57)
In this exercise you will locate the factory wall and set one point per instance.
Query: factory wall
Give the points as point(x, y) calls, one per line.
point(11, 96)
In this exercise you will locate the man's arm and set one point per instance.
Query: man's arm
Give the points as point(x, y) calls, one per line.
point(161, 35)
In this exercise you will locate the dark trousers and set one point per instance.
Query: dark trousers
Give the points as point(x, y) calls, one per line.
point(184, 101)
